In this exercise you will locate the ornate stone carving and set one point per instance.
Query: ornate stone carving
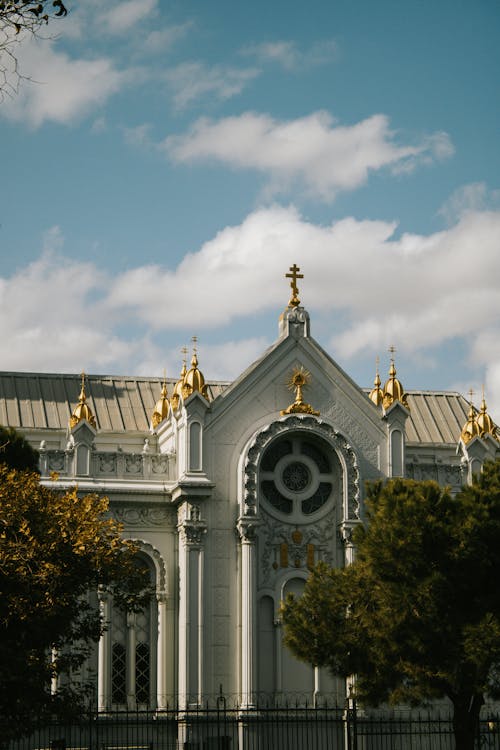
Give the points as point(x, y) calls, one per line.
point(144, 516)
point(247, 529)
point(133, 463)
point(275, 536)
point(56, 461)
point(304, 424)
point(106, 463)
point(161, 573)
point(159, 464)
point(192, 532)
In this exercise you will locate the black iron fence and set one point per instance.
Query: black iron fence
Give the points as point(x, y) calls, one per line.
point(258, 728)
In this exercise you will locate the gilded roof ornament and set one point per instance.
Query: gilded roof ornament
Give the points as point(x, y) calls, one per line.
point(471, 428)
point(177, 391)
point(393, 388)
point(377, 394)
point(162, 406)
point(484, 421)
point(299, 379)
point(294, 300)
point(82, 410)
point(194, 379)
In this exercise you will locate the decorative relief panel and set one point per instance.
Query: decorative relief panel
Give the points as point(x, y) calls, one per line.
point(56, 461)
point(133, 463)
point(445, 474)
point(343, 419)
point(138, 515)
point(285, 546)
point(159, 464)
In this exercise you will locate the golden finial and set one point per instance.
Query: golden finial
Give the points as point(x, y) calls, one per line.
point(393, 389)
point(161, 410)
point(193, 379)
point(294, 275)
point(82, 410)
point(376, 394)
point(484, 421)
point(176, 393)
point(471, 427)
point(298, 380)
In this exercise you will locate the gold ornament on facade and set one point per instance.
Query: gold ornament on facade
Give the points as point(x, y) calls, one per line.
point(377, 394)
point(393, 389)
point(177, 391)
point(484, 421)
point(82, 409)
point(162, 406)
point(294, 274)
point(299, 379)
point(194, 379)
point(470, 429)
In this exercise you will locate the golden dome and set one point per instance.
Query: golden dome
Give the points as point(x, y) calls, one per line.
point(82, 410)
point(471, 428)
point(194, 380)
point(484, 421)
point(393, 389)
point(162, 407)
point(376, 393)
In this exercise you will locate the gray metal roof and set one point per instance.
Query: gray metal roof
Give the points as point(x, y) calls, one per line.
point(119, 403)
point(124, 403)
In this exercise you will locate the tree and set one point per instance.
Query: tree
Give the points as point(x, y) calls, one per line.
point(417, 615)
point(17, 17)
point(15, 451)
point(55, 548)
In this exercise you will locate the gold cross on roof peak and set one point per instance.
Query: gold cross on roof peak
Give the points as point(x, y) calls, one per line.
point(294, 275)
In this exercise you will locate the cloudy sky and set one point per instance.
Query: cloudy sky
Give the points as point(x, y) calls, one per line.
point(164, 163)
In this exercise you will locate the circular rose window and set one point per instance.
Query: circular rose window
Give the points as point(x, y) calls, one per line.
point(297, 475)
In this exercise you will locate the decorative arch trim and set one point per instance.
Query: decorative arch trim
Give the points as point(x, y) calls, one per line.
point(161, 571)
point(338, 442)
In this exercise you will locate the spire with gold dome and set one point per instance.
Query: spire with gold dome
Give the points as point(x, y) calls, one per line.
point(162, 406)
point(82, 410)
point(376, 393)
point(177, 391)
point(484, 421)
point(194, 379)
point(393, 389)
point(471, 428)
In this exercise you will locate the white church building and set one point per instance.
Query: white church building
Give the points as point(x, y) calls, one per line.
point(233, 491)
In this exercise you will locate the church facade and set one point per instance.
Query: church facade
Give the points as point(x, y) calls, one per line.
point(233, 491)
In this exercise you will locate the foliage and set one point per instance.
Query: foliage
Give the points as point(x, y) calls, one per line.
point(18, 17)
point(15, 451)
point(55, 548)
point(417, 616)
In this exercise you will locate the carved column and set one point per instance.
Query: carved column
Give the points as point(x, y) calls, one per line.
point(247, 529)
point(162, 665)
point(104, 656)
point(131, 647)
point(191, 604)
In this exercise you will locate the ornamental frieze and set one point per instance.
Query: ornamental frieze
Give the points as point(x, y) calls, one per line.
point(137, 516)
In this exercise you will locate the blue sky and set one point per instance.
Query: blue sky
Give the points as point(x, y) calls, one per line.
point(168, 161)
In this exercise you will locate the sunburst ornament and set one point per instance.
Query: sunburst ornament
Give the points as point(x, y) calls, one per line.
point(299, 379)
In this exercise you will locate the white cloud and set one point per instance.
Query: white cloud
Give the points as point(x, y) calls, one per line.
point(365, 287)
point(62, 89)
point(124, 16)
point(472, 197)
point(289, 56)
point(190, 81)
point(314, 151)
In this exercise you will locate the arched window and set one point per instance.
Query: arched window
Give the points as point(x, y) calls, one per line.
point(195, 447)
point(133, 649)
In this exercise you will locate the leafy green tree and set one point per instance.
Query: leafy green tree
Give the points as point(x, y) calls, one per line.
point(416, 617)
point(54, 549)
point(15, 451)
